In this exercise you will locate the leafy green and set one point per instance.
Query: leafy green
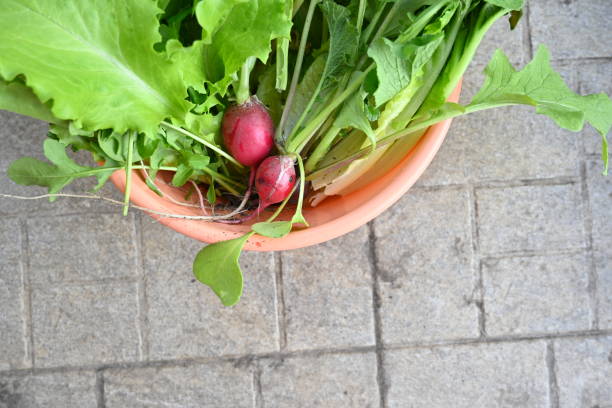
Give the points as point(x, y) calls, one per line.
point(343, 43)
point(537, 85)
point(343, 46)
point(540, 86)
point(101, 72)
point(508, 4)
point(306, 91)
point(391, 69)
point(247, 28)
point(274, 229)
point(216, 266)
point(183, 173)
point(211, 15)
point(211, 194)
point(55, 175)
point(354, 115)
point(17, 97)
point(267, 94)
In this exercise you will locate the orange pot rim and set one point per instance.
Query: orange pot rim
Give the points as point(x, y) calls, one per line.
point(371, 200)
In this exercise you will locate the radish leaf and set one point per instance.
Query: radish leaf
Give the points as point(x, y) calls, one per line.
point(55, 175)
point(216, 266)
point(274, 229)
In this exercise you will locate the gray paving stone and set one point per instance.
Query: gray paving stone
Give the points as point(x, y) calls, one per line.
point(186, 318)
point(328, 294)
point(424, 251)
point(335, 380)
point(448, 166)
point(594, 77)
point(13, 344)
point(572, 29)
point(81, 325)
point(600, 194)
point(485, 375)
point(82, 247)
point(65, 390)
point(516, 143)
point(534, 295)
point(22, 136)
point(584, 370)
point(530, 218)
point(200, 386)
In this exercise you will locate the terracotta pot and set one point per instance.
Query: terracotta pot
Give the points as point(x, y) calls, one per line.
point(334, 217)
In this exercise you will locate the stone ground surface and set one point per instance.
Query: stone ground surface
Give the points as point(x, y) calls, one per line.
point(488, 285)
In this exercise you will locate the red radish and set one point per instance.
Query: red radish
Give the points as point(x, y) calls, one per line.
point(248, 132)
point(274, 180)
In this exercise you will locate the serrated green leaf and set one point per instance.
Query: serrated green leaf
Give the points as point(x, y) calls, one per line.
point(211, 15)
point(392, 69)
point(98, 67)
point(216, 266)
point(540, 86)
point(191, 60)
point(246, 31)
point(354, 115)
point(198, 162)
point(183, 173)
point(343, 43)
point(63, 170)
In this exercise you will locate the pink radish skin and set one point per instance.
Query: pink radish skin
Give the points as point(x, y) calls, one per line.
point(248, 132)
point(274, 180)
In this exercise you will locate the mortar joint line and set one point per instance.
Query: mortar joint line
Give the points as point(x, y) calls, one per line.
point(551, 365)
point(588, 234)
point(477, 262)
point(376, 304)
point(258, 399)
point(281, 310)
point(27, 282)
point(186, 362)
point(100, 391)
point(527, 37)
point(143, 302)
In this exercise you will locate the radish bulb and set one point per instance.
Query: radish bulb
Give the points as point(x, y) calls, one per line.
point(248, 132)
point(274, 180)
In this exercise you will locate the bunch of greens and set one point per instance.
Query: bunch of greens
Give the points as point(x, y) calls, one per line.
point(351, 86)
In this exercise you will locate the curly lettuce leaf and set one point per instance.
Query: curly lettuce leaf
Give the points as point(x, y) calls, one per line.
point(18, 98)
point(247, 29)
point(96, 64)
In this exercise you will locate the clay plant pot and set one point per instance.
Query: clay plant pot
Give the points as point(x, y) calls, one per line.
point(334, 217)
